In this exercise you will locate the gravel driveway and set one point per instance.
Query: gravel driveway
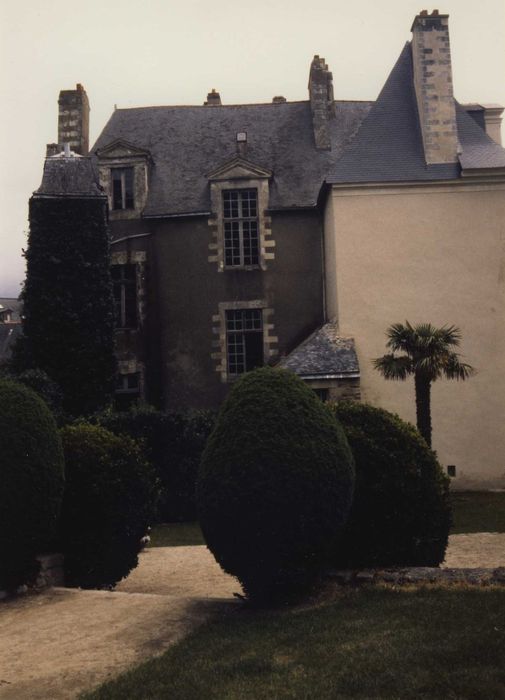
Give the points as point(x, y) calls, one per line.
point(58, 643)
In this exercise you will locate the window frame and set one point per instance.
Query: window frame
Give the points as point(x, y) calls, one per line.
point(239, 239)
point(127, 198)
point(238, 339)
point(123, 284)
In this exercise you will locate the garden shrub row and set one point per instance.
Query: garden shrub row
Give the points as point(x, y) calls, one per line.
point(173, 443)
point(276, 481)
point(81, 490)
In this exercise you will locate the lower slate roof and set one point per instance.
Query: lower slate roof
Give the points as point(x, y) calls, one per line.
point(324, 355)
point(186, 143)
point(14, 305)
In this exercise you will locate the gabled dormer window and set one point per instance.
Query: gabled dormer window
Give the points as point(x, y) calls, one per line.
point(240, 224)
point(122, 188)
point(124, 175)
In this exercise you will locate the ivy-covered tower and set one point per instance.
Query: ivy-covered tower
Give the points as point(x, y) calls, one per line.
point(68, 306)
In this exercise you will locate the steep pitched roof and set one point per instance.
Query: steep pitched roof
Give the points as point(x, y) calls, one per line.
point(69, 176)
point(324, 354)
point(185, 143)
point(389, 148)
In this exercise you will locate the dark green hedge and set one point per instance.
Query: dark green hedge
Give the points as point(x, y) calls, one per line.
point(67, 302)
point(275, 485)
point(109, 503)
point(31, 482)
point(401, 511)
point(173, 442)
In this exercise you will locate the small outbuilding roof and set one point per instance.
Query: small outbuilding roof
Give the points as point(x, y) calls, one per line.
point(324, 355)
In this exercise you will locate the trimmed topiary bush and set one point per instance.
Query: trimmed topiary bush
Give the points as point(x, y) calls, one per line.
point(173, 443)
point(275, 485)
point(110, 500)
point(31, 474)
point(401, 512)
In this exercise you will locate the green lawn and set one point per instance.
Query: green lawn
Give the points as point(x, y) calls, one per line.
point(473, 511)
point(369, 643)
point(478, 511)
point(176, 535)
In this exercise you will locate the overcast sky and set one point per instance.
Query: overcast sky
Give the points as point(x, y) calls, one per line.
point(163, 52)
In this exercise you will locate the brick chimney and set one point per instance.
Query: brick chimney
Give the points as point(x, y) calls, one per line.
point(321, 101)
point(213, 99)
point(73, 119)
point(431, 55)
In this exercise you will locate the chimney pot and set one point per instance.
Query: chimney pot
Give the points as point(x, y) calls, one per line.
point(213, 99)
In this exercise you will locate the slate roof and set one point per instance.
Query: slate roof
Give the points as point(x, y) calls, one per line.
point(324, 354)
point(389, 148)
point(14, 305)
point(73, 176)
point(186, 143)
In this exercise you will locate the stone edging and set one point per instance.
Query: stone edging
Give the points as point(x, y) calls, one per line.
point(420, 574)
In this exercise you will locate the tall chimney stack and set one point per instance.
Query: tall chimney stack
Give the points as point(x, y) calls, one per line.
point(431, 55)
point(321, 101)
point(73, 119)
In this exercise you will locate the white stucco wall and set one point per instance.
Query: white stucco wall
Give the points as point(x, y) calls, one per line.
point(428, 254)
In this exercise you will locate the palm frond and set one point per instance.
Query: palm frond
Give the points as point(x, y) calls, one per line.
point(455, 369)
point(394, 367)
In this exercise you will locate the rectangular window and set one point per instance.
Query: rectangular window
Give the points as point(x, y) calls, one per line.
point(124, 282)
point(122, 188)
point(244, 340)
point(241, 236)
point(127, 390)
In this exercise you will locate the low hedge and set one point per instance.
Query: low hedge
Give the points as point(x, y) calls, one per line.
point(31, 482)
point(401, 513)
point(173, 443)
point(109, 503)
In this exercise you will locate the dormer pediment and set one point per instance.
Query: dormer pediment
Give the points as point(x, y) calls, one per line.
point(239, 169)
point(119, 149)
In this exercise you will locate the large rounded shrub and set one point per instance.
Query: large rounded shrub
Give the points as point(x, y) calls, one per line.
point(275, 485)
point(401, 512)
point(31, 482)
point(109, 503)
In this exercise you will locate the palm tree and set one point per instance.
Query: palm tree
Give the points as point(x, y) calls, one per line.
point(428, 355)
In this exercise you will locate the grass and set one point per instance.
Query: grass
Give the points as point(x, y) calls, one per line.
point(473, 511)
point(369, 643)
point(478, 511)
point(176, 535)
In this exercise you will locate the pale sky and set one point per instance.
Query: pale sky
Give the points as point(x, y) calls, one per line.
point(168, 52)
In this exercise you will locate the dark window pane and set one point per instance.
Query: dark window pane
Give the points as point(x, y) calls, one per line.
point(128, 185)
point(117, 193)
point(253, 350)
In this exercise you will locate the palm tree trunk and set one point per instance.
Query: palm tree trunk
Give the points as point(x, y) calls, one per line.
point(423, 407)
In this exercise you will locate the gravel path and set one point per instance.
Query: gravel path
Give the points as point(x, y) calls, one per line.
point(56, 644)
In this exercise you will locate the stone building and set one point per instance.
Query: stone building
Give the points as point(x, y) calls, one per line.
point(297, 232)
